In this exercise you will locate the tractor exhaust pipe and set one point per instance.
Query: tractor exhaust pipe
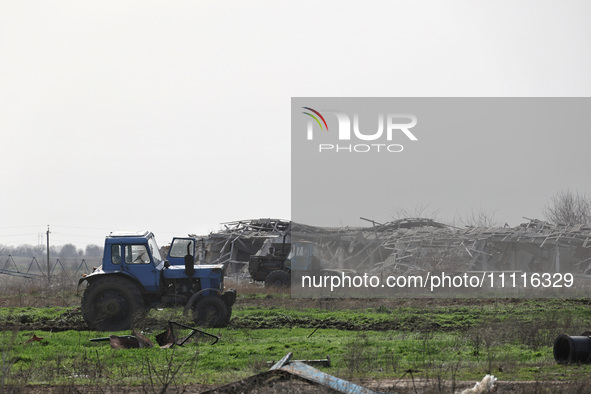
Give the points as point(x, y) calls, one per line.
point(573, 349)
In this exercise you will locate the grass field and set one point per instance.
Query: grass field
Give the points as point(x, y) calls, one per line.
point(381, 340)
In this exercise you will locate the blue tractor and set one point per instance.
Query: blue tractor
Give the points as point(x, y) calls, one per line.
point(134, 278)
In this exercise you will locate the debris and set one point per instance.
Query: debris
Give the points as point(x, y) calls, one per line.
point(143, 341)
point(34, 338)
point(484, 386)
point(573, 349)
point(287, 368)
point(105, 339)
point(323, 362)
point(134, 341)
point(312, 333)
point(168, 339)
point(411, 246)
point(165, 339)
point(124, 342)
point(418, 245)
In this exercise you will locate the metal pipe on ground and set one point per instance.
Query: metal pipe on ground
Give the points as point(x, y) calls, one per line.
point(572, 349)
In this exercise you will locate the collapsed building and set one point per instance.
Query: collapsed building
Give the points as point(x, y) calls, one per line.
point(412, 245)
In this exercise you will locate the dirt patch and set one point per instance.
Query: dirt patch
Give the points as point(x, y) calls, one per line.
point(364, 303)
point(438, 386)
point(69, 320)
point(385, 385)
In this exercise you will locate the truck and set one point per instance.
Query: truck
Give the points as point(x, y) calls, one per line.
point(270, 264)
point(277, 262)
point(134, 278)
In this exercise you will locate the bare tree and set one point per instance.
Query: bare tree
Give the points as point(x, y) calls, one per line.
point(569, 208)
point(478, 217)
point(418, 211)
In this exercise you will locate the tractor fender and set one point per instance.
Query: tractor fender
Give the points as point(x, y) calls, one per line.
point(89, 277)
point(96, 275)
point(195, 297)
point(86, 278)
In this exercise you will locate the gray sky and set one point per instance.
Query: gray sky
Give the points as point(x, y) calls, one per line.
point(161, 115)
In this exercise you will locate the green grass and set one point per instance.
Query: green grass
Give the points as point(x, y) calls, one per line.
point(70, 358)
point(512, 340)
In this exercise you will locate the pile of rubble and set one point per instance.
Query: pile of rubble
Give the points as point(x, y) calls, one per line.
point(412, 245)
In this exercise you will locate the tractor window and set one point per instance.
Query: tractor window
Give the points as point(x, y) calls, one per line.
point(297, 250)
point(316, 252)
point(136, 254)
point(116, 254)
point(181, 247)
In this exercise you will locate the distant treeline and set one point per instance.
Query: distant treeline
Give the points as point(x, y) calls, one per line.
point(67, 251)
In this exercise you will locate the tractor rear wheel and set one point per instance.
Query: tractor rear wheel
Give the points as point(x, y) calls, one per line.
point(111, 304)
point(211, 311)
point(278, 278)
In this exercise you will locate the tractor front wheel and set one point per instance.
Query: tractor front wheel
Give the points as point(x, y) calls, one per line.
point(211, 311)
point(278, 278)
point(111, 304)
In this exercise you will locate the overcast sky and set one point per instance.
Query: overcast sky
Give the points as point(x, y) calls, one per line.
point(175, 116)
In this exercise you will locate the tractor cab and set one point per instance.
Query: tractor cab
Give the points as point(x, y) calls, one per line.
point(134, 254)
point(304, 257)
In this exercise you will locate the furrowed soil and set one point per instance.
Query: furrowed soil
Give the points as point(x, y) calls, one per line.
point(279, 311)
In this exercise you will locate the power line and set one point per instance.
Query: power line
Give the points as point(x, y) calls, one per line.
point(79, 235)
point(24, 226)
point(102, 230)
point(83, 228)
point(18, 235)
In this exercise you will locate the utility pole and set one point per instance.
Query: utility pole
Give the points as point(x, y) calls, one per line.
point(48, 264)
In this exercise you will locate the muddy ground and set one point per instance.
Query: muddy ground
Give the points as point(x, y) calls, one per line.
point(298, 387)
point(72, 318)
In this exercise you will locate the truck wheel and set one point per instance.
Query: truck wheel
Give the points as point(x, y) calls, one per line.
point(111, 304)
point(211, 311)
point(278, 278)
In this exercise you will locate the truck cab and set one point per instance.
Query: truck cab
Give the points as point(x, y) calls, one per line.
point(276, 262)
